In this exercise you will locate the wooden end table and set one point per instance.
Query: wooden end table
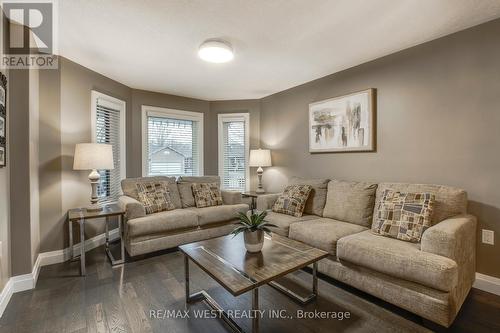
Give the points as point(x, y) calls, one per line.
point(80, 215)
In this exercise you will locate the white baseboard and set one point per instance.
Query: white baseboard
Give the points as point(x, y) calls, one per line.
point(56, 257)
point(487, 283)
point(28, 281)
point(5, 296)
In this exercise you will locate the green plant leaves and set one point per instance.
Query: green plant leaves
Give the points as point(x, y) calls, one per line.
point(252, 223)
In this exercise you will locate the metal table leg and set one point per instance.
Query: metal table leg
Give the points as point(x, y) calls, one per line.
point(296, 297)
point(70, 227)
point(82, 247)
point(112, 259)
point(255, 310)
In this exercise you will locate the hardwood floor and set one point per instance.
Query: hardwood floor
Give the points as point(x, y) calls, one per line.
point(136, 297)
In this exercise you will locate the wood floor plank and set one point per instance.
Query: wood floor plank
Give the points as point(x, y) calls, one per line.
point(135, 312)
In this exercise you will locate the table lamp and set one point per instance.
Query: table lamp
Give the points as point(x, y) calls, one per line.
point(260, 158)
point(93, 156)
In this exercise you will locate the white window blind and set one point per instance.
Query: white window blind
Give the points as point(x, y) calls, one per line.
point(233, 151)
point(108, 128)
point(174, 144)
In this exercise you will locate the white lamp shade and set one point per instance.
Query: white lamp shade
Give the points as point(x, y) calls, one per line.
point(260, 158)
point(90, 156)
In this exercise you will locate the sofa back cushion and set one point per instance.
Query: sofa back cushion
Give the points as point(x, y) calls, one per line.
point(185, 185)
point(351, 202)
point(449, 201)
point(317, 197)
point(129, 187)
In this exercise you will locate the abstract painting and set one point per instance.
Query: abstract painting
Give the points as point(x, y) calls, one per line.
point(343, 124)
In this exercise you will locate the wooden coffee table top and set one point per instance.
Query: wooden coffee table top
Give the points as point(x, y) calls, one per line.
point(226, 260)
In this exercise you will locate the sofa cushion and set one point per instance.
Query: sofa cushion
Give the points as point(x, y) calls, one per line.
point(215, 214)
point(154, 196)
point(293, 200)
point(323, 233)
point(399, 259)
point(450, 201)
point(317, 198)
point(404, 216)
point(284, 221)
point(129, 187)
point(168, 221)
point(186, 191)
point(350, 202)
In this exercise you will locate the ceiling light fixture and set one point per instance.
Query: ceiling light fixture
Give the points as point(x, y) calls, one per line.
point(216, 50)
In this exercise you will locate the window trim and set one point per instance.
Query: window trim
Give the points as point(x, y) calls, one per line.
point(94, 96)
point(225, 117)
point(147, 110)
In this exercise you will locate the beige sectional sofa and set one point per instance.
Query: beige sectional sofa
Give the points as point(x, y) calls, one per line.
point(431, 278)
point(185, 224)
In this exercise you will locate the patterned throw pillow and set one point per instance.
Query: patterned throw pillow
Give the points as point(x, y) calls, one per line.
point(207, 194)
point(293, 200)
point(155, 196)
point(404, 216)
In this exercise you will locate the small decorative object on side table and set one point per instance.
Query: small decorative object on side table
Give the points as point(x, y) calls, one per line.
point(80, 215)
point(93, 156)
point(260, 158)
point(253, 229)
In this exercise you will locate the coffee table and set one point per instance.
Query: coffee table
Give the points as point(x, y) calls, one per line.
point(226, 260)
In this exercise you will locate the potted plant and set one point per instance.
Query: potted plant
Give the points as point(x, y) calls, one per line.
point(253, 228)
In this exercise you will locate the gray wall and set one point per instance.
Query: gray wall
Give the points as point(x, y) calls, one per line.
point(19, 158)
point(5, 209)
point(65, 120)
point(438, 122)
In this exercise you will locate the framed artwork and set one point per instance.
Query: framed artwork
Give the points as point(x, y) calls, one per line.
point(343, 124)
point(3, 120)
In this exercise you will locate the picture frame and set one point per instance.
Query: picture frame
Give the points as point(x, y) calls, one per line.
point(2, 126)
point(2, 96)
point(3, 120)
point(344, 124)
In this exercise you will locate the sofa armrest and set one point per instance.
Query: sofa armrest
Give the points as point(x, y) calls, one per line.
point(454, 238)
point(133, 208)
point(266, 201)
point(231, 197)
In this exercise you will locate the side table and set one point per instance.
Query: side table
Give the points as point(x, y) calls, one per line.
point(81, 215)
point(254, 195)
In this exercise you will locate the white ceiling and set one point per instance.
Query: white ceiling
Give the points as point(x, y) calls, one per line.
point(278, 44)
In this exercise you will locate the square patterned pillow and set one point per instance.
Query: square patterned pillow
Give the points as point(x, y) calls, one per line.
point(155, 196)
point(206, 194)
point(293, 200)
point(404, 216)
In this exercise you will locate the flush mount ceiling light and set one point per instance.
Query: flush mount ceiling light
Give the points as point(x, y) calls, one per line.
point(216, 50)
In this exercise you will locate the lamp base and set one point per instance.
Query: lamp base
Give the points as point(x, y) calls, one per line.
point(260, 188)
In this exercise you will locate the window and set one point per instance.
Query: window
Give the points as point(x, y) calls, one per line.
point(234, 151)
point(108, 126)
point(172, 142)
